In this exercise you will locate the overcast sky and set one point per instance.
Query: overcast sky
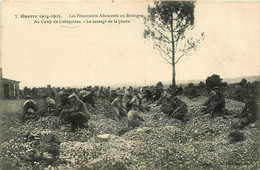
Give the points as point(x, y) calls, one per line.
point(89, 54)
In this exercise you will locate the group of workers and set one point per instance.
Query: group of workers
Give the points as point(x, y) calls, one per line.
point(75, 106)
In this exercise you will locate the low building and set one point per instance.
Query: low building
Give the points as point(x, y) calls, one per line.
point(9, 89)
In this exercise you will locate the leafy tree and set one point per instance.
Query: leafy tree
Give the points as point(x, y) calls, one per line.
point(167, 24)
point(243, 82)
point(27, 91)
point(190, 85)
point(213, 81)
point(201, 84)
point(34, 91)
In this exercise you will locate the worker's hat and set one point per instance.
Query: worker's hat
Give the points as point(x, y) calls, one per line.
point(44, 96)
point(61, 92)
point(86, 94)
point(27, 97)
point(73, 95)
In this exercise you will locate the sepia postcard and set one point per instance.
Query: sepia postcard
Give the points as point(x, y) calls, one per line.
point(129, 84)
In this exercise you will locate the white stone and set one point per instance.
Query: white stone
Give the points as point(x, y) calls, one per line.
point(102, 138)
point(144, 129)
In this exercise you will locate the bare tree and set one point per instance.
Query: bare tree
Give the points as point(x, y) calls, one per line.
point(167, 24)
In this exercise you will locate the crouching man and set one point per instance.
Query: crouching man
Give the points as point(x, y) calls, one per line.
point(29, 108)
point(250, 113)
point(77, 115)
point(87, 97)
point(50, 105)
point(180, 111)
point(218, 103)
point(133, 117)
point(117, 106)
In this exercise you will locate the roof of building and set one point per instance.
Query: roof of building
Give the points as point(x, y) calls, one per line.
point(11, 81)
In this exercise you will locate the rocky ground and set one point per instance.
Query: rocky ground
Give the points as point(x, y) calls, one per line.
point(160, 143)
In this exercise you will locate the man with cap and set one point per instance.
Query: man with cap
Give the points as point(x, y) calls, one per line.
point(107, 92)
point(113, 96)
point(211, 94)
point(29, 108)
point(128, 101)
point(208, 104)
point(218, 103)
point(159, 85)
point(133, 117)
point(64, 102)
point(135, 99)
point(165, 94)
point(101, 92)
point(117, 105)
point(51, 105)
point(180, 110)
point(250, 113)
point(169, 105)
point(157, 91)
point(148, 95)
point(77, 115)
point(138, 96)
point(86, 97)
point(52, 93)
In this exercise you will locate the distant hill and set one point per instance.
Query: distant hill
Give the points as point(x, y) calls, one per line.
point(179, 82)
point(185, 82)
point(238, 79)
point(228, 80)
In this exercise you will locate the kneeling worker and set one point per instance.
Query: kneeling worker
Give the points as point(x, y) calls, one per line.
point(181, 109)
point(117, 106)
point(87, 97)
point(50, 105)
point(133, 117)
point(77, 115)
point(29, 108)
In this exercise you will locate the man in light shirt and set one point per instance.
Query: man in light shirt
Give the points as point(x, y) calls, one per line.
point(29, 108)
point(117, 106)
point(51, 105)
point(133, 117)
